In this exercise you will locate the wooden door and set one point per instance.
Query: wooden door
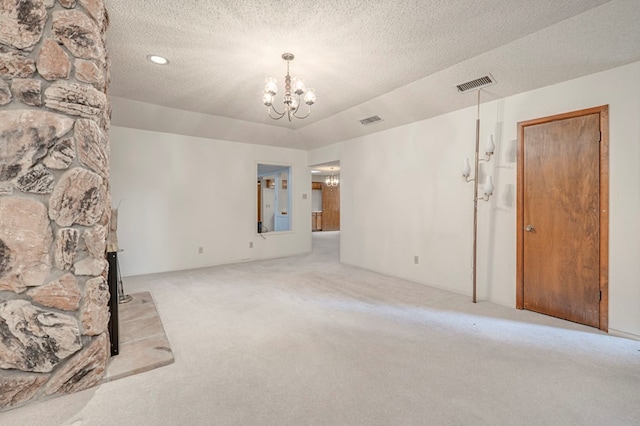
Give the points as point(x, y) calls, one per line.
point(330, 208)
point(560, 201)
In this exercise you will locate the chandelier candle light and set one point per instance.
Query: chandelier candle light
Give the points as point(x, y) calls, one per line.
point(294, 88)
point(488, 186)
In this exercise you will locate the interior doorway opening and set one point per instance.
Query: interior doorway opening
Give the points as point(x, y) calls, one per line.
point(325, 197)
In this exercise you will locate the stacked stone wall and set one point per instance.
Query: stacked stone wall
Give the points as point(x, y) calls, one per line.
point(54, 198)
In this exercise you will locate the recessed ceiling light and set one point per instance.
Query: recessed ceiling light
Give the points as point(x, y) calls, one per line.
point(158, 59)
point(315, 171)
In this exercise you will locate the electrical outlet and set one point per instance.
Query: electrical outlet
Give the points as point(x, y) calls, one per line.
point(250, 244)
point(200, 250)
point(416, 259)
point(304, 196)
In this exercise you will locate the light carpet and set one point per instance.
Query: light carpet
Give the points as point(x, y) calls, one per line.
point(306, 340)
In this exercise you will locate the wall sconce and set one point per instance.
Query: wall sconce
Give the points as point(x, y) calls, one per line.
point(488, 188)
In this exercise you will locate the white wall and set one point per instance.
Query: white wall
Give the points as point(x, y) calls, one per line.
point(178, 193)
point(403, 196)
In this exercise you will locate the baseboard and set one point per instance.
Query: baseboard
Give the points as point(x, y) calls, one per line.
point(619, 333)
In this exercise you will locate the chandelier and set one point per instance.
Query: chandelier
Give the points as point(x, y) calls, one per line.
point(292, 93)
point(332, 181)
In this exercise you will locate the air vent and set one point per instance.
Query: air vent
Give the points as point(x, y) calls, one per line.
point(370, 120)
point(476, 84)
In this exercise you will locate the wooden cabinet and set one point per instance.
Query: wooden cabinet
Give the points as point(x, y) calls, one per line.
point(316, 221)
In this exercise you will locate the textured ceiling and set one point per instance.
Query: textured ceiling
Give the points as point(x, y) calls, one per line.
point(400, 60)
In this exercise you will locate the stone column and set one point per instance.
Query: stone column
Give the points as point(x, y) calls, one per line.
point(54, 198)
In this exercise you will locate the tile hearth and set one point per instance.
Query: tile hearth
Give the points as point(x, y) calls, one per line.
point(143, 342)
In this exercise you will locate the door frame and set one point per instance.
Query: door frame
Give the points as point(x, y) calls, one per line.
point(603, 111)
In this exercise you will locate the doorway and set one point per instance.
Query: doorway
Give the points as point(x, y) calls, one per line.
point(563, 216)
point(325, 197)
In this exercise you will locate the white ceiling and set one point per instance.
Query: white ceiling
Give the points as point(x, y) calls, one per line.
point(399, 60)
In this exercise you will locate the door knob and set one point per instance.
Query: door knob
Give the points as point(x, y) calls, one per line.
point(529, 228)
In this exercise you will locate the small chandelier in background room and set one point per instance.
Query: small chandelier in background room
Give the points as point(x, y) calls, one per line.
point(332, 180)
point(294, 88)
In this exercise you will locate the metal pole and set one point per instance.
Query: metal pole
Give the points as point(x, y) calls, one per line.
point(475, 199)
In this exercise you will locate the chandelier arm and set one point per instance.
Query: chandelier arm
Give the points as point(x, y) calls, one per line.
point(280, 115)
point(272, 107)
point(305, 116)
